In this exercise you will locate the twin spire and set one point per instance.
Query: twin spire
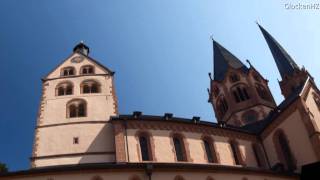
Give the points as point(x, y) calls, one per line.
point(223, 58)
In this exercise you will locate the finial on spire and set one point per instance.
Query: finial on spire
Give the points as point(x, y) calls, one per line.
point(248, 61)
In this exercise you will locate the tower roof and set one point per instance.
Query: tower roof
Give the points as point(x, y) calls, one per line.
point(285, 63)
point(81, 48)
point(222, 60)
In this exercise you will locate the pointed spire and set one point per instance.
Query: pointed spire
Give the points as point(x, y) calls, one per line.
point(285, 63)
point(222, 60)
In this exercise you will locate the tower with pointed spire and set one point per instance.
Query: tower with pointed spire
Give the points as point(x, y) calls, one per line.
point(292, 76)
point(239, 94)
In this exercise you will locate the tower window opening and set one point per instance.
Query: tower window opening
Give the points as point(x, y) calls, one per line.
point(88, 69)
point(234, 78)
point(68, 71)
point(90, 86)
point(240, 93)
point(262, 92)
point(222, 106)
point(76, 108)
point(65, 88)
point(75, 140)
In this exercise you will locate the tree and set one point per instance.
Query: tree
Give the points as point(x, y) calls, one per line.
point(3, 168)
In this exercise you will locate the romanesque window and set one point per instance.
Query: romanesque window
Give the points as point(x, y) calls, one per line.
point(68, 71)
point(76, 108)
point(145, 146)
point(88, 69)
point(179, 148)
point(240, 93)
point(250, 116)
point(76, 140)
point(316, 100)
point(209, 150)
point(236, 152)
point(234, 78)
point(90, 86)
point(65, 88)
point(283, 149)
point(263, 93)
point(258, 155)
point(222, 106)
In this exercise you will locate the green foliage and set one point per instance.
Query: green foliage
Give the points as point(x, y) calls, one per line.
point(3, 168)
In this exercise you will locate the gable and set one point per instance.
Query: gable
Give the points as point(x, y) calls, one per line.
point(77, 60)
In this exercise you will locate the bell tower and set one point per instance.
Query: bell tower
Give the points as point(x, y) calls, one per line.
point(78, 98)
point(239, 94)
point(292, 76)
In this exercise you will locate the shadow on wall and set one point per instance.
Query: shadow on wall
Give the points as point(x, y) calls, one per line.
point(102, 147)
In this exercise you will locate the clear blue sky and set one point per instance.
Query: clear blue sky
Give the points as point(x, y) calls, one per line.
point(161, 52)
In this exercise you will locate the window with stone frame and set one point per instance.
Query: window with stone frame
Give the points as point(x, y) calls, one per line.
point(263, 92)
point(64, 88)
point(76, 108)
point(68, 71)
point(284, 150)
point(240, 93)
point(145, 146)
point(222, 106)
point(236, 152)
point(90, 86)
point(210, 150)
point(87, 69)
point(234, 78)
point(179, 148)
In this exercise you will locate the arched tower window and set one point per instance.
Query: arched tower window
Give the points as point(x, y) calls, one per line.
point(87, 69)
point(234, 78)
point(68, 71)
point(90, 86)
point(240, 93)
point(76, 108)
point(179, 147)
point(263, 93)
point(283, 149)
point(222, 106)
point(236, 153)
point(64, 88)
point(210, 150)
point(145, 146)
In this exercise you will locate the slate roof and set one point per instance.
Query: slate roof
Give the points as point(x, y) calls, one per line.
point(222, 60)
point(285, 63)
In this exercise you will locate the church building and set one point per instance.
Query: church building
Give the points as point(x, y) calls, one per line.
point(80, 134)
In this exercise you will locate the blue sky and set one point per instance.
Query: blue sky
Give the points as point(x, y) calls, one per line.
point(161, 52)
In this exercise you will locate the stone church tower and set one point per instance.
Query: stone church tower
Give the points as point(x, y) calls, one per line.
point(292, 76)
point(238, 94)
point(78, 98)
